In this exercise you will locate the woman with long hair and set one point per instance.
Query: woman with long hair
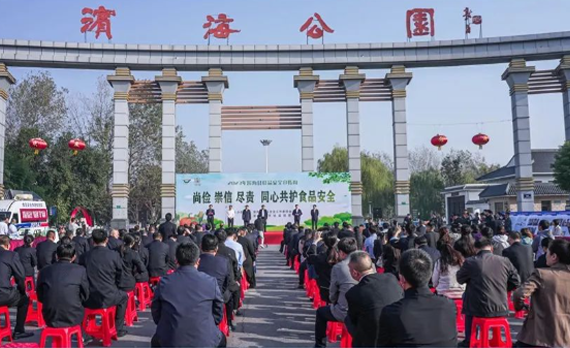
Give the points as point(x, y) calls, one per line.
point(466, 244)
point(143, 255)
point(324, 262)
point(27, 254)
point(444, 273)
point(132, 264)
point(444, 237)
point(390, 253)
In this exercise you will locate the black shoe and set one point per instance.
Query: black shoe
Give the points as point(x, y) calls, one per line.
point(239, 313)
point(87, 339)
point(232, 327)
point(300, 287)
point(122, 333)
point(22, 335)
point(463, 344)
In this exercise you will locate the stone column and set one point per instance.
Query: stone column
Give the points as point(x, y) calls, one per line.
point(351, 80)
point(215, 82)
point(305, 82)
point(6, 79)
point(168, 82)
point(517, 75)
point(563, 71)
point(121, 83)
point(399, 79)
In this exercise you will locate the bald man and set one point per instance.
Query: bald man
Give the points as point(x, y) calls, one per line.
point(114, 243)
point(367, 299)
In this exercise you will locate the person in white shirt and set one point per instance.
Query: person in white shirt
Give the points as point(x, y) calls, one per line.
point(13, 229)
point(557, 229)
point(4, 226)
point(231, 214)
point(72, 226)
point(232, 243)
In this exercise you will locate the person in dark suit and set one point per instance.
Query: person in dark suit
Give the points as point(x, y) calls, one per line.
point(249, 251)
point(421, 318)
point(27, 254)
point(10, 266)
point(315, 217)
point(104, 270)
point(367, 299)
point(183, 235)
point(114, 242)
point(132, 265)
point(158, 259)
point(167, 228)
point(421, 244)
point(230, 255)
point(172, 245)
point(187, 300)
point(147, 236)
point(46, 251)
point(210, 216)
point(297, 213)
point(62, 289)
point(520, 256)
point(246, 215)
point(323, 267)
point(218, 267)
point(431, 235)
point(199, 234)
point(488, 277)
point(80, 243)
point(143, 256)
point(541, 261)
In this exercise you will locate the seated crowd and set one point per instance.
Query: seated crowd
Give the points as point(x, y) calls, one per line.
point(478, 267)
point(196, 276)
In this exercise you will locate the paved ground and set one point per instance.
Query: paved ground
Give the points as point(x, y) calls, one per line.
point(275, 314)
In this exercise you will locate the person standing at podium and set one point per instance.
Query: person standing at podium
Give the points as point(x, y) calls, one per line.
point(231, 214)
point(315, 217)
point(297, 213)
point(246, 215)
point(210, 214)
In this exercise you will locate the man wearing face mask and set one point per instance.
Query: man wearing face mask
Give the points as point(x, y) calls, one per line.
point(367, 299)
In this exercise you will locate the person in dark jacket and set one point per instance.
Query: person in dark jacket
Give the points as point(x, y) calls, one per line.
point(249, 251)
point(46, 251)
point(80, 243)
point(323, 264)
point(62, 289)
point(314, 217)
point(183, 235)
point(367, 299)
point(189, 301)
point(104, 270)
point(541, 261)
point(147, 236)
point(498, 248)
point(246, 215)
point(132, 264)
point(431, 235)
point(488, 277)
point(234, 287)
point(158, 257)
point(520, 256)
point(143, 256)
point(421, 318)
point(27, 254)
point(167, 228)
point(466, 244)
point(172, 245)
point(199, 234)
point(359, 237)
point(421, 244)
point(10, 296)
point(219, 268)
point(114, 242)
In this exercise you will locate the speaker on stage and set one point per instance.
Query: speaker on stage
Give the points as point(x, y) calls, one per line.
point(377, 213)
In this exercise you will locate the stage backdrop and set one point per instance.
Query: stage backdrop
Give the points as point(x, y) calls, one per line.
point(278, 191)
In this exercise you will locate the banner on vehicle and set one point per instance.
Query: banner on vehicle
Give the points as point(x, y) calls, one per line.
point(279, 192)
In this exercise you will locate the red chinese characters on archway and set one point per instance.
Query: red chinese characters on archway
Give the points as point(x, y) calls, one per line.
point(317, 30)
point(221, 30)
point(97, 19)
point(420, 22)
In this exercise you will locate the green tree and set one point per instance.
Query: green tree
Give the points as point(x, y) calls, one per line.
point(377, 178)
point(425, 192)
point(561, 167)
point(461, 167)
point(188, 158)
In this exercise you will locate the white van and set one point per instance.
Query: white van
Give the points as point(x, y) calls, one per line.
point(27, 212)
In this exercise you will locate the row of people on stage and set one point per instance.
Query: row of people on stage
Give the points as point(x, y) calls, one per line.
point(262, 214)
point(98, 271)
point(425, 273)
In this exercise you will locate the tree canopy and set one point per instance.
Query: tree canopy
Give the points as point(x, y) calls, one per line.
point(561, 167)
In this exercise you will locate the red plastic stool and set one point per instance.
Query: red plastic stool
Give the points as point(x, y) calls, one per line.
point(308, 291)
point(144, 295)
point(459, 317)
point(223, 325)
point(154, 281)
point(35, 314)
point(334, 330)
point(61, 337)
point(480, 338)
point(131, 314)
point(29, 284)
point(510, 301)
point(380, 270)
point(170, 271)
point(297, 263)
point(346, 338)
point(107, 331)
point(5, 330)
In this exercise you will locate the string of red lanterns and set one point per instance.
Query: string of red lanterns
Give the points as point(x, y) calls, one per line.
point(478, 139)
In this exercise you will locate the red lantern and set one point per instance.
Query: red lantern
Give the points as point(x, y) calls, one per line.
point(480, 139)
point(38, 144)
point(76, 145)
point(439, 141)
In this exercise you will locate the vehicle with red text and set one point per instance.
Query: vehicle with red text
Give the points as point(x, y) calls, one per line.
point(27, 211)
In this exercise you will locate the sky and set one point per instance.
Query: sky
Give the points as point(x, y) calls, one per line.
point(458, 102)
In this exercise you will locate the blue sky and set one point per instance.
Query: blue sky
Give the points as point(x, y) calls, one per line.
point(437, 97)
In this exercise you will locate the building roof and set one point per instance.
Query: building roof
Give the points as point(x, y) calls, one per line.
point(540, 189)
point(466, 187)
point(542, 161)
